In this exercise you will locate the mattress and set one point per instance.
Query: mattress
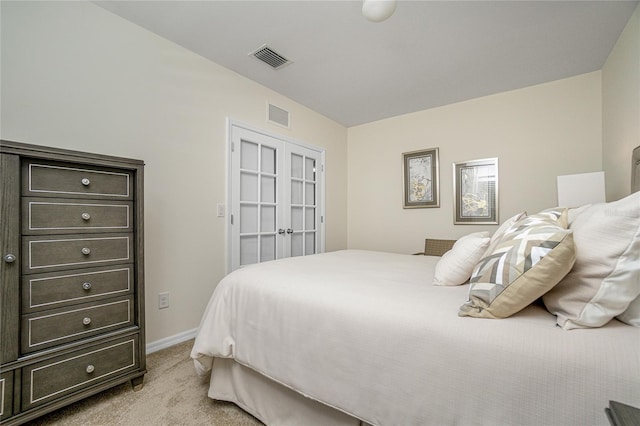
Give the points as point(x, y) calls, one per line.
point(367, 334)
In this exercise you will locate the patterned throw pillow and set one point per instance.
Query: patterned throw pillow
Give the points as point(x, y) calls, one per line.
point(506, 225)
point(531, 257)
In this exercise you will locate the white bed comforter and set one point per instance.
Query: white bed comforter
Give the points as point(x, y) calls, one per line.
point(367, 333)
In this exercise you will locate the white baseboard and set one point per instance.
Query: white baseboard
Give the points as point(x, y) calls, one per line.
point(171, 340)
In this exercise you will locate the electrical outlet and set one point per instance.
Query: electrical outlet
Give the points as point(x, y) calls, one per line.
point(163, 300)
point(220, 208)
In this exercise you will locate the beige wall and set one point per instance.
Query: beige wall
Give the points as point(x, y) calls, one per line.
point(537, 133)
point(75, 76)
point(621, 109)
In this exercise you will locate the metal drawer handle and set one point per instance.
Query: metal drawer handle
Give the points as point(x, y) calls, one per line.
point(86, 320)
point(86, 182)
point(9, 258)
point(86, 286)
point(90, 369)
point(86, 251)
point(86, 216)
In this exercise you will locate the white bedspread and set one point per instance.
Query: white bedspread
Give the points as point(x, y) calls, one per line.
point(367, 333)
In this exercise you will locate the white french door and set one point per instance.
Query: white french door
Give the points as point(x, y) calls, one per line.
point(275, 198)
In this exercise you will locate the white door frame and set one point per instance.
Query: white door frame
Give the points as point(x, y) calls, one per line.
point(228, 217)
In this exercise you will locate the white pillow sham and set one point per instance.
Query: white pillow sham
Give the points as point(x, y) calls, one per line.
point(605, 279)
point(632, 315)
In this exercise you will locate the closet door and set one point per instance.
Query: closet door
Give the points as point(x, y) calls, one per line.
point(303, 213)
point(257, 214)
point(274, 199)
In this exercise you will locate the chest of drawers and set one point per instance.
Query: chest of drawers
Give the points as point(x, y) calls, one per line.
point(71, 277)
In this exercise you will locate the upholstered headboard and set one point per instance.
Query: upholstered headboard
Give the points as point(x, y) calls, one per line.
point(635, 170)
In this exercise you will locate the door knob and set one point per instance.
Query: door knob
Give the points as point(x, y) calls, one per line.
point(289, 231)
point(10, 258)
point(280, 231)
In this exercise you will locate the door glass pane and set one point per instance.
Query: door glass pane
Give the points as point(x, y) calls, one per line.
point(268, 219)
point(268, 189)
point(296, 245)
point(310, 169)
point(309, 243)
point(296, 166)
point(248, 218)
point(248, 250)
point(296, 218)
point(268, 160)
point(310, 218)
point(249, 156)
point(267, 248)
point(310, 194)
point(296, 192)
point(248, 187)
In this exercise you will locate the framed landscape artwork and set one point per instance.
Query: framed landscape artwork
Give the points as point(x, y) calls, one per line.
point(476, 191)
point(420, 170)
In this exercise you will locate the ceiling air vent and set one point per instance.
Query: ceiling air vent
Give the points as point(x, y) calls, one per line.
point(271, 57)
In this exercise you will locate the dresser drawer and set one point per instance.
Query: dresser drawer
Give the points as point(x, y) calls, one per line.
point(51, 253)
point(47, 380)
point(6, 394)
point(59, 216)
point(60, 180)
point(53, 290)
point(51, 328)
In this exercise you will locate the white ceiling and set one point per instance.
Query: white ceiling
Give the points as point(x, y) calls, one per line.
point(428, 54)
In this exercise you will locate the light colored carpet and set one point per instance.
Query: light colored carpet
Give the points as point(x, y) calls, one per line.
point(172, 395)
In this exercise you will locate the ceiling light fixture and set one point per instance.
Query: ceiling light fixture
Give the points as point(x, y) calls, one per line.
point(378, 10)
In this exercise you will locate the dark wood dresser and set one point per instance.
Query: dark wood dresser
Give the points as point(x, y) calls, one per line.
point(71, 277)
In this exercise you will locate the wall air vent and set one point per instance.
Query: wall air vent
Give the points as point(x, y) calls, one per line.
point(278, 115)
point(271, 57)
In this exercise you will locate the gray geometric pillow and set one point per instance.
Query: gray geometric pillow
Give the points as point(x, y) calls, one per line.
point(532, 256)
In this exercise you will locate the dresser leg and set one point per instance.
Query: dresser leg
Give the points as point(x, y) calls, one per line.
point(137, 384)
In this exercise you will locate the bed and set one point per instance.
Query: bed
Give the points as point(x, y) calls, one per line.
point(362, 337)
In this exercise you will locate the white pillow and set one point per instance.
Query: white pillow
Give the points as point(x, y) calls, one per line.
point(574, 212)
point(456, 265)
point(606, 276)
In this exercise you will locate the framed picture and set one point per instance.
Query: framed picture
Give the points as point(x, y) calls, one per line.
point(420, 171)
point(475, 186)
